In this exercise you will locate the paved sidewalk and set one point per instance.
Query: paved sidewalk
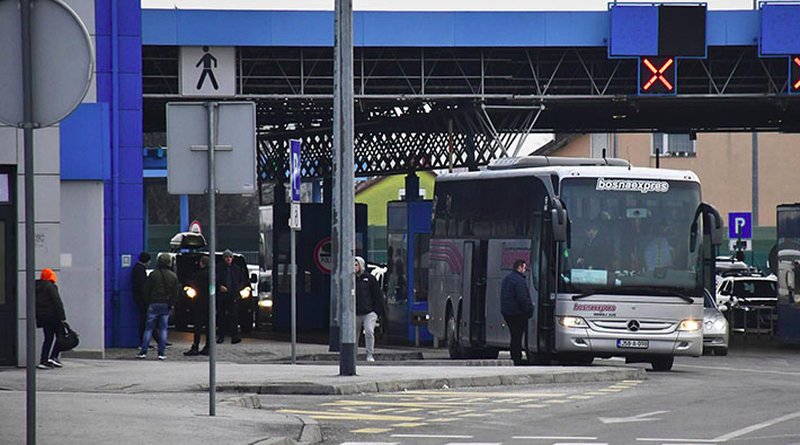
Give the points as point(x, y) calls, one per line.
point(124, 400)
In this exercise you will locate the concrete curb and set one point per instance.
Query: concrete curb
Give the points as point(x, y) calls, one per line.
point(309, 388)
point(310, 432)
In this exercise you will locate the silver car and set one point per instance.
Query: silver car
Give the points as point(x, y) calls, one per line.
point(715, 327)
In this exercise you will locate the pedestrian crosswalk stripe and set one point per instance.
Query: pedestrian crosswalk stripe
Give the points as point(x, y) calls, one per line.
point(594, 393)
point(581, 397)
point(409, 424)
point(443, 420)
point(472, 415)
point(533, 405)
point(556, 401)
point(504, 410)
point(371, 431)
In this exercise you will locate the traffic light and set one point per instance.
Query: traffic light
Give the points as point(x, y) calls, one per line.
point(794, 74)
point(657, 75)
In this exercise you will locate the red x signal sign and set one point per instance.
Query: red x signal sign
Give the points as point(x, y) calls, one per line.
point(657, 75)
point(794, 74)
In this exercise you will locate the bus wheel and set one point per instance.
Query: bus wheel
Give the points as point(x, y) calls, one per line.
point(662, 364)
point(453, 343)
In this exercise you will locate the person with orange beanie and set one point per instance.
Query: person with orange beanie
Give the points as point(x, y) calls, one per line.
point(49, 316)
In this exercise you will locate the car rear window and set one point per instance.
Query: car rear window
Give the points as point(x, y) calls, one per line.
point(754, 288)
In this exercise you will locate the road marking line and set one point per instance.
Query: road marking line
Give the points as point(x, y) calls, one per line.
point(384, 410)
point(609, 390)
point(330, 415)
point(504, 410)
point(409, 410)
point(756, 427)
point(581, 397)
point(369, 443)
point(553, 438)
point(409, 424)
point(594, 393)
point(580, 443)
point(656, 439)
point(443, 420)
point(395, 404)
point(472, 415)
point(431, 436)
point(534, 405)
point(461, 394)
point(475, 443)
point(556, 401)
point(371, 431)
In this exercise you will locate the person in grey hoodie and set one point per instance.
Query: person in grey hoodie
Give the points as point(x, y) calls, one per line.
point(369, 305)
point(161, 291)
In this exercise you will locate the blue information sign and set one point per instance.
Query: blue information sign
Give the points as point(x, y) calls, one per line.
point(740, 223)
point(294, 169)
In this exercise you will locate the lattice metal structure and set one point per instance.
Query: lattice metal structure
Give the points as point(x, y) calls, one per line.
point(423, 108)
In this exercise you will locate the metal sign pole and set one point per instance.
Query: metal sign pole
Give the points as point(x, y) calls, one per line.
point(347, 357)
point(212, 267)
point(30, 233)
point(294, 297)
point(294, 226)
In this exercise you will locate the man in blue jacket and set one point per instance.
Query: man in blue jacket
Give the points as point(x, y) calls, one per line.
point(516, 307)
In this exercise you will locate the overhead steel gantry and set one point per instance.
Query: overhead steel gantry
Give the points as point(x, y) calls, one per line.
point(432, 107)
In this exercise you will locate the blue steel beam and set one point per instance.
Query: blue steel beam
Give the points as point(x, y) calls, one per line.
point(162, 27)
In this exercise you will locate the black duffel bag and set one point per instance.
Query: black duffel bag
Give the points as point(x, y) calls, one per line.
point(66, 338)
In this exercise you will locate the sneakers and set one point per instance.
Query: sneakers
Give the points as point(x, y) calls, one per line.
point(162, 357)
point(192, 352)
point(141, 356)
point(43, 366)
point(370, 358)
point(204, 351)
point(55, 363)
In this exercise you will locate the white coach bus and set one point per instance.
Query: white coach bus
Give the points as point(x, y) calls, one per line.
point(618, 257)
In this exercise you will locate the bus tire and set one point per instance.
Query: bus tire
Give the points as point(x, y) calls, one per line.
point(453, 343)
point(662, 364)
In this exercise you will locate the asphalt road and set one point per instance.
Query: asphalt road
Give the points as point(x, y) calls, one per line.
point(748, 397)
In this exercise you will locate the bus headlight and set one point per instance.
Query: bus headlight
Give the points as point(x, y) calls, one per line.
point(245, 293)
point(572, 322)
point(690, 325)
point(190, 292)
point(265, 304)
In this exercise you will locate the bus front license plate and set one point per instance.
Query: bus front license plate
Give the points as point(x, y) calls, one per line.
point(633, 344)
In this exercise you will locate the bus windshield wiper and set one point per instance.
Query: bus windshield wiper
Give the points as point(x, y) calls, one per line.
point(667, 292)
point(583, 295)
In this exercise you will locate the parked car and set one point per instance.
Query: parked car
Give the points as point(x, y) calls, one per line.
point(264, 310)
point(186, 250)
point(752, 301)
point(715, 327)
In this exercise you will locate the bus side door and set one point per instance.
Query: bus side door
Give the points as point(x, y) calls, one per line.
point(473, 321)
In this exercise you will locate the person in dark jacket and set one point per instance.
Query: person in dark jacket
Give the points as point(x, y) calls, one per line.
point(516, 307)
point(138, 277)
point(231, 279)
point(199, 285)
point(161, 291)
point(369, 305)
point(49, 316)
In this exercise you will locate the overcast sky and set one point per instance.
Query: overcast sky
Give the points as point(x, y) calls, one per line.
point(415, 5)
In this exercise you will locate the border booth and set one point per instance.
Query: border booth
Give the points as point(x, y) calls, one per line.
point(406, 280)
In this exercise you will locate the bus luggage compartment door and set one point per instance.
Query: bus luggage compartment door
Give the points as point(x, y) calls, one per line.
point(475, 292)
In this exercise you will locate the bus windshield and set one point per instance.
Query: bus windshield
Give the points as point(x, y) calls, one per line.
point(629, 235)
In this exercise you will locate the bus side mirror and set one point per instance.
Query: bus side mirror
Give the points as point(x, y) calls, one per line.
point(558, 217)
point(715, 220)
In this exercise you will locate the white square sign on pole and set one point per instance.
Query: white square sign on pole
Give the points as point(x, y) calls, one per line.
point(207, 71)
point(235, 148)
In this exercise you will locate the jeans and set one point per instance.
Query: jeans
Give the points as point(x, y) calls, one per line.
point(368, 321)
point(50, 345)
point(516, 326)
point(156, 312)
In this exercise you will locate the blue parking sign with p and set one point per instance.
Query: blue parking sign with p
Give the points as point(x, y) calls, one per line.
point(740, 224)
point(294, 168)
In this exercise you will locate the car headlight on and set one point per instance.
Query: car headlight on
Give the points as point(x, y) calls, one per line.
point(245, 293)
point(572, 322)
point(265, 304)
point(720, 324)
point(190, 292)
point(690, 325)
